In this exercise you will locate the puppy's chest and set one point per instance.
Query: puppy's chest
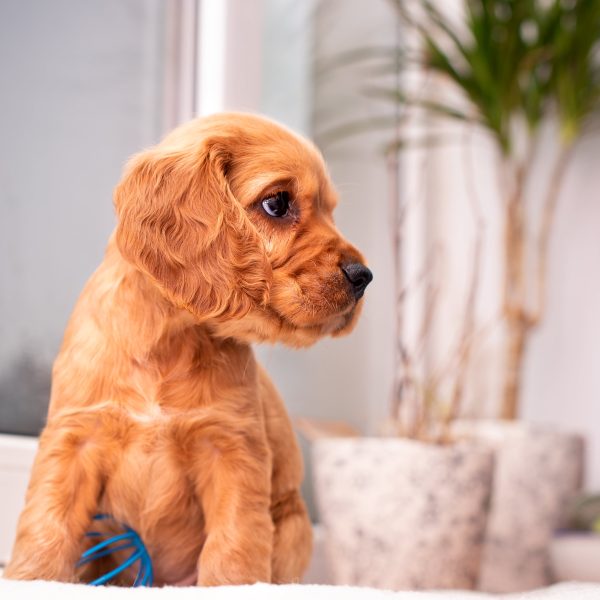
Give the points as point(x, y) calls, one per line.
point(160, 454)
point(150, 461)
point(151, 491)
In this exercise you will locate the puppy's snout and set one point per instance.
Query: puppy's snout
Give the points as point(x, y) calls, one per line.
point(359, 277)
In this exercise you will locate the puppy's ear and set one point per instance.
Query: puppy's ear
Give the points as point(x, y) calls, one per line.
point(179, 223)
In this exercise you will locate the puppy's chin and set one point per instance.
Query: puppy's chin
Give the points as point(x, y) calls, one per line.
point(349, 321)
point(266, 324)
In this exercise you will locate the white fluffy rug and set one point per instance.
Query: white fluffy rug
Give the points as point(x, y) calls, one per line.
point(27, 590)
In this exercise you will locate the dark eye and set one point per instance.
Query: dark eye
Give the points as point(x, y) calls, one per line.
point(277, 205)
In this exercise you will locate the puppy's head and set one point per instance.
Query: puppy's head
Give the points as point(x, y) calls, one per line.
point(231, 216)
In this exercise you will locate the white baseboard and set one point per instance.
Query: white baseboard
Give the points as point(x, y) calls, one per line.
point(16, 458)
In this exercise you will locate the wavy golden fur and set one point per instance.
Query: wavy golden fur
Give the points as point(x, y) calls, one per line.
point(160, 414)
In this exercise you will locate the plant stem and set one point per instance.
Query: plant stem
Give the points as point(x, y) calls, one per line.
point(549, 211)
point(517, 332)
point(517, 321)
point(520, 321)
point(400, 358)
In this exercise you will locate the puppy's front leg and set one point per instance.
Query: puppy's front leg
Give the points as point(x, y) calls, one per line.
point(232, 475)
point(292, 542)
point(61, 499)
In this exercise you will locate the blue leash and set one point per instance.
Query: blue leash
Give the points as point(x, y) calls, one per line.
point(125, 541)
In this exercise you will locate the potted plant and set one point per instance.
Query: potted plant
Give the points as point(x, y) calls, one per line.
point(515, 70)
point(409, 509)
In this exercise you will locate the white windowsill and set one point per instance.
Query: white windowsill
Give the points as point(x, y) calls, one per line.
point(16, 457)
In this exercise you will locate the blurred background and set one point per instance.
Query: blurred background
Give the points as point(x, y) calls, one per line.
point(425, 185)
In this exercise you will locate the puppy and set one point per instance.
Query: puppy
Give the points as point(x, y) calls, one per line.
point(160, 414)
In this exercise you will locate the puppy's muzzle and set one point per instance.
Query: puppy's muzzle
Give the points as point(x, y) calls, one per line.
point(359, 277)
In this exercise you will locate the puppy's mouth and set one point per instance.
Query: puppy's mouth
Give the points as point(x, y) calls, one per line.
point(341, 324)
point(334, 325)
point(327, 307)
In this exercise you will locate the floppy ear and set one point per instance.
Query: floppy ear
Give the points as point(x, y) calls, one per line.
point(179, 223)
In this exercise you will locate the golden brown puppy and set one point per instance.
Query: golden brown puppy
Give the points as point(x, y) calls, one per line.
point(160, 414)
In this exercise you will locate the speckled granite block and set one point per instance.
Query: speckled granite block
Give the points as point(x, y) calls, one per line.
point(400, 514)
point(538, 472)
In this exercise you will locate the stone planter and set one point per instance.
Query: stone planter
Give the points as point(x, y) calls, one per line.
point(400, 514)
point(538, 473)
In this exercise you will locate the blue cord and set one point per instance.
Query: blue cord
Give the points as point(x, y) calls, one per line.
point(96, 555)
point(144, 576)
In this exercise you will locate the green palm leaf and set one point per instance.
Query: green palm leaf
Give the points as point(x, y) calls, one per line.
point(515, 59)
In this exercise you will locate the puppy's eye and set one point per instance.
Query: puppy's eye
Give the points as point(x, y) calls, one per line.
point(277, 205)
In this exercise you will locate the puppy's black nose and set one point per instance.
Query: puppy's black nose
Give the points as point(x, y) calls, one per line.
point(359, 276)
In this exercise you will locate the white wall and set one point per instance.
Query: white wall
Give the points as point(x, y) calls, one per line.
point(562, 376)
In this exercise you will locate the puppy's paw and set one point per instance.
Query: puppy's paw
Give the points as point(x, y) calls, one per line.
point(34, 569)
point(222, 564)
